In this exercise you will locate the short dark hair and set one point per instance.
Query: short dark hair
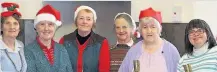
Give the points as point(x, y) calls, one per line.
point(15, 16)
point(198, 23)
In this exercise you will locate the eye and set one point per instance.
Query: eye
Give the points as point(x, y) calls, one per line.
point(50, 24)
point(42, 24)
point(15, 23)
point(124, 27)
point(117, 27)
point(7, 23)
point(144, 26)
point(81, 18)
point(88, 19)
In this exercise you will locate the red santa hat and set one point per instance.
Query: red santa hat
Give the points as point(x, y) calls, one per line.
point(78, 9)
point(9, 9)
point(152, 13)
point(48, 13)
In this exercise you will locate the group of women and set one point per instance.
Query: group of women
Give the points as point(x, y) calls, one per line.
point(85, 51)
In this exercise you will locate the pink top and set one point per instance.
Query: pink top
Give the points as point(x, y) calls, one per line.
point(154, 62)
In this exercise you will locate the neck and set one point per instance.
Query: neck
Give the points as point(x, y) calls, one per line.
point(199, 46)
point(10, 42)
point(200, 50)
point(83, 33)
point(152, 47)
point(45, 42)
point(124, 41)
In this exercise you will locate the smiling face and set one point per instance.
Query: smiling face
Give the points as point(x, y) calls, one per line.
point(150, 29)
point(197, 37)
point(45, 30)
point(122, 29)
point(10, 27)
point(85, 20)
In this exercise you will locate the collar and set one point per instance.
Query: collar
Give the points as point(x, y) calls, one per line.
point(130, 43)
point(42, 45)
point(201, 50)
point(18, 45)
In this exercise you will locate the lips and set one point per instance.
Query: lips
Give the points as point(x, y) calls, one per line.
point(46, 32)
point(11, 31)
point(197, 38)
point(149, 35)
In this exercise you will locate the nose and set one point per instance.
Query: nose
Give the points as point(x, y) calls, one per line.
point(85, 21)
point(121, 30)
point(149, 30)
point(12, 26)
point(46, 27)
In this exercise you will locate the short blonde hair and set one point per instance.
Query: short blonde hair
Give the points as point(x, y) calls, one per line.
point(88, 11)
point(147, 20)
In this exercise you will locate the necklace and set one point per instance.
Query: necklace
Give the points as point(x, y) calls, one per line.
point(13, 62)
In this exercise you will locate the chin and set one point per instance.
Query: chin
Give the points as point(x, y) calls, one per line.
point(85, 30)
point(150, 40)
point(12, 36)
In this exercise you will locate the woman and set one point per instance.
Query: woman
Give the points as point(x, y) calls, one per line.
point(88, 51)
point(153, 54)
point(200, 46)
point(12, 57)
point(125, 28)
point(44, 54)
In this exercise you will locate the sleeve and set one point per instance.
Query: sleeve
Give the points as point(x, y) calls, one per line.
point(176, 57)
point(67, 61)
point(104, 58)
point(30, 60)
point(0, 61)
point(179, 66)
point(61, 41)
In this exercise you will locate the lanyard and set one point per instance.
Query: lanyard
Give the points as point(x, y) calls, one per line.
point(13, 62)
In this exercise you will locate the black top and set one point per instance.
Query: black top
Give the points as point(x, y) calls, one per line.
point(81, 39)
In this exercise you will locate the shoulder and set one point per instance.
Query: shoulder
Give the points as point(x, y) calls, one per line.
point(185, 56)
point(59, 46)
point(169, 45)
point(136, 49)
point(31, 46)
point(213, 49)
point(112, 47)
point(98, 38)
point(70, 36)
point(20, 43)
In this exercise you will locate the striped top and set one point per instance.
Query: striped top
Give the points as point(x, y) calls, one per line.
point(203, 62)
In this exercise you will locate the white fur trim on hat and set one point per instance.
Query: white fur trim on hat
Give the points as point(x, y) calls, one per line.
point(4, 9)
point(133, 22)
point(85, 7)
point(46, 17)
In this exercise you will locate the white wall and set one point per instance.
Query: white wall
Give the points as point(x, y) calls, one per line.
point(30, 7)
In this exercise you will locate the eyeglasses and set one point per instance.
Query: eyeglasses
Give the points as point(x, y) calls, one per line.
point(198, 31)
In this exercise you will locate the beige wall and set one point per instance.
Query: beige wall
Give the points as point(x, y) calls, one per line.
point(30, 7)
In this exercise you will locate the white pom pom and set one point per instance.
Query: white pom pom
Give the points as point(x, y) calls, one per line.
point(138, 35)
point(58, 23)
